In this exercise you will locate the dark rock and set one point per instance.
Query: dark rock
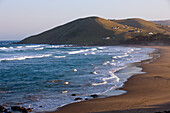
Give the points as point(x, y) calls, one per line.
point(9, 112)
point(6, 111)
point(24, 110)
point(94, 95)
point(77, 99)
point(86, 99)
point(29, 109)
point(18, 108)
point(2, 109)
point(74, 95)
point(166, 111)
point(40, 106)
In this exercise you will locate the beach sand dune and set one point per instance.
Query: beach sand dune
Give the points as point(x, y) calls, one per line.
point(146, 93)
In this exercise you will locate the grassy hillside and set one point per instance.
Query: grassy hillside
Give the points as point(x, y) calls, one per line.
point(96, 31)
point(91, 30)
point(156, 39)
point(146, 25)
point(82, 31)
point(165, 22)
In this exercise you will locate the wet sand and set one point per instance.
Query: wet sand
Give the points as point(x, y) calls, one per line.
point(146, 93)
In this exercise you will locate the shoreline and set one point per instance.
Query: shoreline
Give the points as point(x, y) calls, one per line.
point(121, 103)
point(114, 91)
point(138, 70)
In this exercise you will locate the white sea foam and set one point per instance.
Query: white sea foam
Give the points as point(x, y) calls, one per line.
point(112, 77)
point(100, 47)
point(19, 46)
point(39, 48)
point(59, 56)
point(105, 63)
point(57, 46)
point(93, 49)
point(32, 46)
point(121, 56)
point(96, 84)
point(80, 51)
point(24, 57)
point(3, 48)
point(93, 53)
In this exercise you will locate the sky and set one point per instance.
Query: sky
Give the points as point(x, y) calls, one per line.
point(22, 18)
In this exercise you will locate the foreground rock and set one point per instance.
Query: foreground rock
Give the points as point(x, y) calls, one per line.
point(94, 95)
point(21, 109)
point(76, 99)
point(74, 95)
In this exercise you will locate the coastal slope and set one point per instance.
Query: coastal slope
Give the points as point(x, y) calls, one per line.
point(163, 22)
point(146, 25)
point(99, 31)
point(91, 30)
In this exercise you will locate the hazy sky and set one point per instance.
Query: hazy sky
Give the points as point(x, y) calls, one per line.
point(22, 18)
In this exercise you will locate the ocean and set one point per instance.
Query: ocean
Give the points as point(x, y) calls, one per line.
point(44, 77)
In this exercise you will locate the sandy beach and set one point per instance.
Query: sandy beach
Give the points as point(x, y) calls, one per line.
point(146, 93)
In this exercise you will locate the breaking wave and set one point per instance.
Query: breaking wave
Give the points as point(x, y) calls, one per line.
point(24, 57)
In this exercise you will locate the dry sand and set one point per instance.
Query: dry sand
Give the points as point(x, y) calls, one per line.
point(146, 93)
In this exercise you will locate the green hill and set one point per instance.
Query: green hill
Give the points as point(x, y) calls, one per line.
point(146, 25)
point(163, 22)
point(96, 31)
point(89, 30)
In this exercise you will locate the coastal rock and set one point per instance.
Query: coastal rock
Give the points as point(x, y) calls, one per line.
point(163, 112)
point(24, 110)
point(9, 112)
point(77, 99)
point(86, 99)
point(6, 111)
point(94, 95)
point(2, 109)
point(74, 95)
point(18, 108)
point(29, 109)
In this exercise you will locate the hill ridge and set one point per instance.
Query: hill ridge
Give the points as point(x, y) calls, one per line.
point(96, 31)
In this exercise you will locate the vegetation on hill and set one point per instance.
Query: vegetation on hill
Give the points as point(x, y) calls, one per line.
point(156, 39)
point(146, 25)
point(98, 31)
point(165, 22)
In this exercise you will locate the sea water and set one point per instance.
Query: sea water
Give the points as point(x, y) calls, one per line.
point(44, 76)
